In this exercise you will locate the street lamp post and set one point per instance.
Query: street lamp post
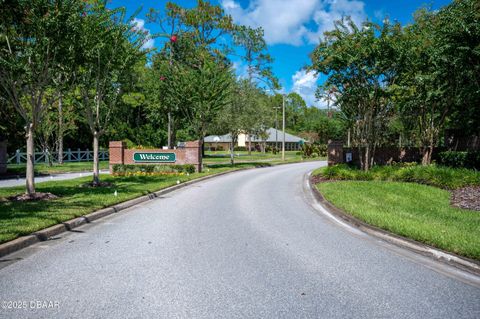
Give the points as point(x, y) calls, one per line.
point(283, 127)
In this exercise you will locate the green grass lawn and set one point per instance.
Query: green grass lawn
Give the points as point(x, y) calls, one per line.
point(22, 218)
point(223, 157)
point(42, 168)
point(420, 212)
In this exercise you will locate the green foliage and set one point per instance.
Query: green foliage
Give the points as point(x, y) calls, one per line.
point(357, 61)
point(255, 55)
point(310, 150)
point(460, 159)
point(119, 169)
point(439, 176)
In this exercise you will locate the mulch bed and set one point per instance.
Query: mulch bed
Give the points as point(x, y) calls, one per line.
point(315, 179)
point(466, 198)
point(34, 197)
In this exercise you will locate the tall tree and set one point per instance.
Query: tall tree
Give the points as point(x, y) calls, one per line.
point(439, 78)
point(202, 93)
point(358, 63)
point(252, 50)
point(254, 53)
point(36, 38)
point(111, 48)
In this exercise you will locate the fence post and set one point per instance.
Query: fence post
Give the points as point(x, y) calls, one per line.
point(78, 156)
point(69, 155)
point(88, 154)
point(17, 154)
point(45, 153)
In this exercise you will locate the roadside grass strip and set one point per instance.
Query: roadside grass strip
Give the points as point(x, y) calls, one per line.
point(23, 218)
point(67, 167)
point(417, 211)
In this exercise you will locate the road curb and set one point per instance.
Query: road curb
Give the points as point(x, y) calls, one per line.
point(52, 231)
point(463, 263)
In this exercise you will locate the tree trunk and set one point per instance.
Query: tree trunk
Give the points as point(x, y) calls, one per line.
point(360, 156)
point(96, 174)
point(232, 155)
point(30, 174)
point(366, 162)
point(427, 155)
point(169, 131)
point(203, 146)
point(372, 156)
point(249, 144)
point(173, 138)
point(60, 129)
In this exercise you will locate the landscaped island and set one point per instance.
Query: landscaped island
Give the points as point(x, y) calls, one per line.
point(418, 202)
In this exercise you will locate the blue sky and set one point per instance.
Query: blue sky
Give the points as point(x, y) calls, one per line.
point(293, 27)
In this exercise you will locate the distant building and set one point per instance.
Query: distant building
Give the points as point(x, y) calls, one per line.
point(273, 137)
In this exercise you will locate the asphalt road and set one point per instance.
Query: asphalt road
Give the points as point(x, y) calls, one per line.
point(243, 245)
point(53, 177)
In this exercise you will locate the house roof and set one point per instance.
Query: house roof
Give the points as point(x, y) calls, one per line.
point(218, 138)
point(272, 137)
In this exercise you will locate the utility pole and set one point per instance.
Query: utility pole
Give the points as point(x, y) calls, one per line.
point(276, 128)
point(283, 127)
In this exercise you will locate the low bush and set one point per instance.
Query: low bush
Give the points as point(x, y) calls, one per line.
point(240, 149)
point(439, 176)
point(130, 145)
point(271, 149)
point(314, 150)
point(460, 159)
point(121, 170)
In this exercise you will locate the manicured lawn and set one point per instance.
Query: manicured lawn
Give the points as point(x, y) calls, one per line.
point(42, 168)
point(224, 157)
point(420, 212)
point(21, 218)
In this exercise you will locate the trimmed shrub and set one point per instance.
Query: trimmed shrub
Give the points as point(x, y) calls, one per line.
point(120, 170)
point(271, 149)
point(314, 150)
point(239, 149)
point(439, 176)
point(460, 159)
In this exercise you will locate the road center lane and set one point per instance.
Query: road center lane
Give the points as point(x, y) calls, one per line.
point(240, 245)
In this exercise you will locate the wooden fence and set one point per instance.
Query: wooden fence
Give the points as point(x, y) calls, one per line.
point(68, 156)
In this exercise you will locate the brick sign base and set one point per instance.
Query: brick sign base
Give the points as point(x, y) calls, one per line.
point(190, 154)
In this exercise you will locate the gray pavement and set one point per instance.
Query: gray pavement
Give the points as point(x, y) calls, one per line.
point(243, 245)
point(41, 179)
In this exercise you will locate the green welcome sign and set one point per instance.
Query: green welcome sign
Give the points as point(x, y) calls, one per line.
point(141, 157)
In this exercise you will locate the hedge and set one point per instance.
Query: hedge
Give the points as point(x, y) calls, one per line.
point(120, 169)
point(460, 159)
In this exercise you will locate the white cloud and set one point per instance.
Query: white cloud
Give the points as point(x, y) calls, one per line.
point(240, 69)
point(332, 11)
point(140, 24)
point(305, 84)
point(294, 21)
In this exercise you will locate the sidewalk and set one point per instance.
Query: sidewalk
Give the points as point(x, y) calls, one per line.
point(53, 177)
